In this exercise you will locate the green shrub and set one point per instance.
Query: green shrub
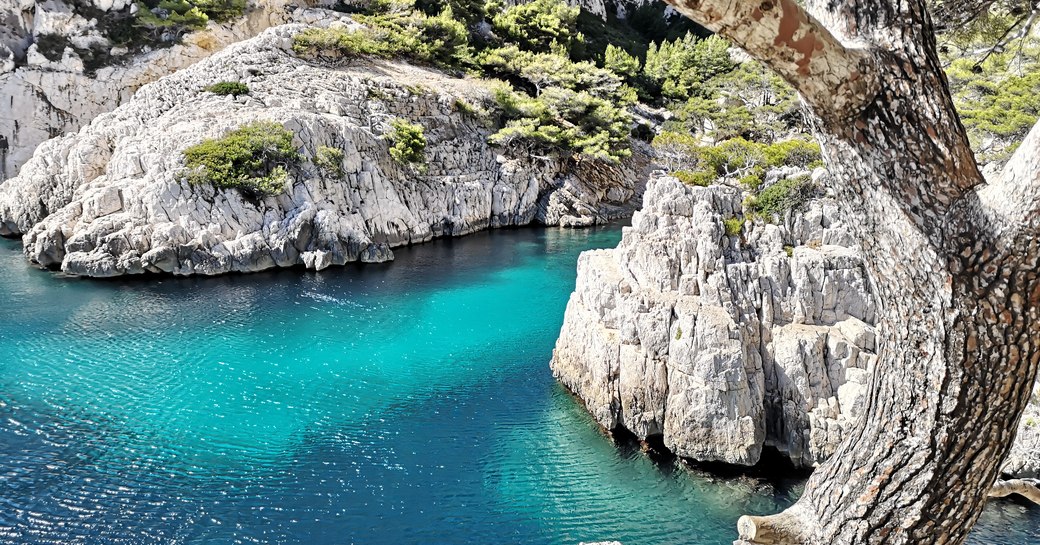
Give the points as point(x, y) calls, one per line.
point(799, 153)
point(464, 107)
point(699, 178)
point(789, 250)
point(564, 120)
point(220, 10)
point(620, 62)
point(733, 226)
point(329, 160)
point(253, 158)
point(788, 194)
point(439, 40)
point(574, 107)
point(232, 88)
point(751, 181)
point(540, 25)
point(676, 150)
point(682, 66)
point(407, 142)
point(183, 15)
point(314, 42)
point(736, 157)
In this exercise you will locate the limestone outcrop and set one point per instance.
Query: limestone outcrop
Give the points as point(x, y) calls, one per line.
point(719, 344)
point(45, 98)
point(113, 199)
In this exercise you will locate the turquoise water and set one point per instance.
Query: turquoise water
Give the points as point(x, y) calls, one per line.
point(395, 404)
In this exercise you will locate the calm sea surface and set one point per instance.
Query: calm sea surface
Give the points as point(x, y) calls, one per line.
point(405, 403)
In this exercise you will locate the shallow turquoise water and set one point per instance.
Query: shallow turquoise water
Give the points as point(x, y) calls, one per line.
point(397, 404)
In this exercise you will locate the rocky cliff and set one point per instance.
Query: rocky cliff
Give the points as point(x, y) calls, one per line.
point(720, 344)
point(47, 96)
point(113, 199)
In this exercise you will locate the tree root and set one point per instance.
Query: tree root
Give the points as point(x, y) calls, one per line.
point(1027, 488)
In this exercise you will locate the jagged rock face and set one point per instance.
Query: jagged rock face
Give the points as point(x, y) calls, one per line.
point(44, 98)
point(723, 344)
point(113, 198)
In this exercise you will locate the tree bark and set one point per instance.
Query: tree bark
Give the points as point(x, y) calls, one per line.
point(954, 261)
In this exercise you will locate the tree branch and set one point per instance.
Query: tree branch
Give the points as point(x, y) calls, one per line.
point(1010, 204)
point(835, 80)
point(1027, 488)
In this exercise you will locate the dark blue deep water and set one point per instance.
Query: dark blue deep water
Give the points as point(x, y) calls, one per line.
point(406, 403)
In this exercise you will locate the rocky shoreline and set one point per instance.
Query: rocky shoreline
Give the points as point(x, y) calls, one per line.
point(113, 199)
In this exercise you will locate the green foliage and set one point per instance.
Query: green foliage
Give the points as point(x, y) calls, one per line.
point(315, 42)
point(678, 333)
point(736, 158)
point(785, 195)
point(554, 102)
point(571, 106)
point(795, 152)
point(733, 226)
point(620, 62)
point(752, 180)
point(182, 15)
point(438, 40)
point(329, 160)
point(540, 26)
point(700, 178)
point(749, 102)
point(1001, 107)
point(996, 91)
point(682, 66)
point(789, 250)
point(407, 142)
point(468, 12)
point(170, 14)
point(253, 158)
point(465, 107)
point(225, 88)
point(676, 150)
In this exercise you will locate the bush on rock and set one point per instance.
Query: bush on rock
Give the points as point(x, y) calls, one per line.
point(254, 158)
point(407, 142)
point(225, 88)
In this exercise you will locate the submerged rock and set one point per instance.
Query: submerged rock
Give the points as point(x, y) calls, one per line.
point(113, 199)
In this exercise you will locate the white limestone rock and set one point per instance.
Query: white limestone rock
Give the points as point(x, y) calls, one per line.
point(45, 98)
point(721, 345)
point(112, 199)
point(763, 348)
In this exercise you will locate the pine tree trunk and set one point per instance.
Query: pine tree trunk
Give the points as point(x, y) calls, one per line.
point(954, 261)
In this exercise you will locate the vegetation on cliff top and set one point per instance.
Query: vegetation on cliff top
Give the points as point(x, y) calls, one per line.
point(562, 93)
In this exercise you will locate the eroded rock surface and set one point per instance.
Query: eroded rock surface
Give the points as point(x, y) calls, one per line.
point(721, 344)
point(44, 98)
point(113, 198)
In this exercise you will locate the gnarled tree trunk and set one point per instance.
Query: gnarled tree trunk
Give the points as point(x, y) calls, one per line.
point(954, 259)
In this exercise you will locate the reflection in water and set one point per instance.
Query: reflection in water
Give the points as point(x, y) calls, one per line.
point(398, 403)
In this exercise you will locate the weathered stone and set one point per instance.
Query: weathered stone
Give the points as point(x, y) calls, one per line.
point(117, 190)
point(763, 348)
